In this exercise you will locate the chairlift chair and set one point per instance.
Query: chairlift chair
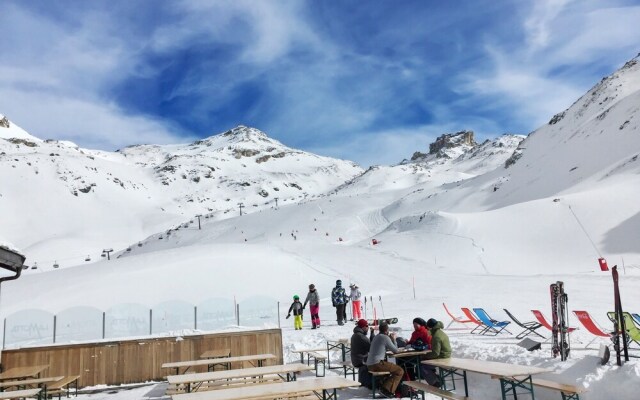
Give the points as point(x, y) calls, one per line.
point(88, 258)
point(55, 264)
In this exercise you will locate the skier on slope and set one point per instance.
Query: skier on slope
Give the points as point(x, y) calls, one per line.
point(297, 309)
point(355, 296)
point(314, 306)
point(339, 299)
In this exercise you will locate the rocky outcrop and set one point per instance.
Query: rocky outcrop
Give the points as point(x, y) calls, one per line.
point(4, 122)
point(449, 140)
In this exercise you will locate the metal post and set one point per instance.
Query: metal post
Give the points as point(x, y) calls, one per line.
point(4, 333)
point(238, 314)
point(150, 321)
point(103, 323)
point(278, 315)
point(54, 329)
point(195, 317)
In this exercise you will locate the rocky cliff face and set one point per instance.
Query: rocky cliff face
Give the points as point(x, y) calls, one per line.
point(451, 140)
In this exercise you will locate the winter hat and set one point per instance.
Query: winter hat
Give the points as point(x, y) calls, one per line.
point(431, 323)
point(363, 323)
point(296, 297)
point(420, 321)
point(312, 286)
point(339, 282)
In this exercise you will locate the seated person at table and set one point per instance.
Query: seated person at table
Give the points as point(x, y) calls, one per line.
point(420, 340)
point(440, 348)
point(360, 345)
point(380, 344)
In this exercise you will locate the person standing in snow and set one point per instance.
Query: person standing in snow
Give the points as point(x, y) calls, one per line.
point(355, 296)
point(314, 306)
point(297, 309)
point(360, 345)
point(339, 299)
point(440, 348)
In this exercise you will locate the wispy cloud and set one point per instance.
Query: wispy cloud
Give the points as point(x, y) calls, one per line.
point(365, 83)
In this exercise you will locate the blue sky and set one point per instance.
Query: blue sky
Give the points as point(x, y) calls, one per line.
point(370, 81)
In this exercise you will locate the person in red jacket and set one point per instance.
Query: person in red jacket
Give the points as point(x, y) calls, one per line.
point(420, 336)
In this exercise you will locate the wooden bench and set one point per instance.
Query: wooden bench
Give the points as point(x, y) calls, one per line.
point(423, 388)
point(318, 358)
point(64, 386)
point(568, 391)
point(306, 351)
point(348, 368)
point(231, 383)
point(260, 358)
point(379, 375)
point(19, 394)
point(326, 388)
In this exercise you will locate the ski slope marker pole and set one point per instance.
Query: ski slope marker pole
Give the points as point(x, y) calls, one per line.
point(381, 306)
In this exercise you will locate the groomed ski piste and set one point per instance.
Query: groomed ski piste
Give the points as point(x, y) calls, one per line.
point(493, 240)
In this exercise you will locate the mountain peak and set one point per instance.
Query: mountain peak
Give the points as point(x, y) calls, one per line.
point(244, 133)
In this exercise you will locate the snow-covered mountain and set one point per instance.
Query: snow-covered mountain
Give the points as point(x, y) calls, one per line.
point(482, 225)
point(109, 200)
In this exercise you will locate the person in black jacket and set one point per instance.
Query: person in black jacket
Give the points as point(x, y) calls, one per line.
point(360, 345)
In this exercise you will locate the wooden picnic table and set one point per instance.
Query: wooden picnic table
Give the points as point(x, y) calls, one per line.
point(19, 394)
point(219, 353)
point(344, 345)
point(511, 376)
point(327, 386)
point(409, 358)
point(260, 358)
point(193, 381)
point(37, 383)
point(23, 372)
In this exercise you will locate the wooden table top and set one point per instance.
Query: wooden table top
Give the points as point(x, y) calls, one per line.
point(30, 381)
point(216, 353)
point(408, 353)
point(18, 394)
point(22, 372)
point(500, 369)
point(238, 373)
point(272, 390)
point(225, 360)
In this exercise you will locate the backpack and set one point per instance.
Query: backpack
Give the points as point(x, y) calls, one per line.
point(419, 345)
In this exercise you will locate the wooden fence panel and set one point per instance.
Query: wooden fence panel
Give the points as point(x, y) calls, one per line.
point(134, 361)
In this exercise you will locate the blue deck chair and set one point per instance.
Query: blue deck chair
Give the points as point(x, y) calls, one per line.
point(494, 327)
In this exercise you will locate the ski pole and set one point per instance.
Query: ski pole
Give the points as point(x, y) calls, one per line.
point(381, 306)
point(365, 307)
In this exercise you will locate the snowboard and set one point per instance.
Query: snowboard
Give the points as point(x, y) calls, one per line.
point(388, 321)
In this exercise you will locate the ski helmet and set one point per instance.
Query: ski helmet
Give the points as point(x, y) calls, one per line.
point(312, 286)
point(339, 282)
point(296, 297)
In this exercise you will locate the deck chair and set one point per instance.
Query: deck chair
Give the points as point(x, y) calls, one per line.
point(480, 327)
point(495, 327)
point(591, 326)
point(529, 327)
point(636, 317)
point(459, 320)
point(633, 332)
point(540, 317)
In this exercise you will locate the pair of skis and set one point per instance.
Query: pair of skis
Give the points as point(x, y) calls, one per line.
point(619, 327)
point(375, 320)
point(560, 345)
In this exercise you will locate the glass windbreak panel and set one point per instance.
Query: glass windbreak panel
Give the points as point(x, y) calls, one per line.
point(28, 327)
point(259, 311)
point(214, 314)
point(172, 316)
point(124, 320)
point(78, 324)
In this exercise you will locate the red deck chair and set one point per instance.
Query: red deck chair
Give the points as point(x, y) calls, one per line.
point(540, 317)
point(459, 320)
point(481, 328)
point(593, 328)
